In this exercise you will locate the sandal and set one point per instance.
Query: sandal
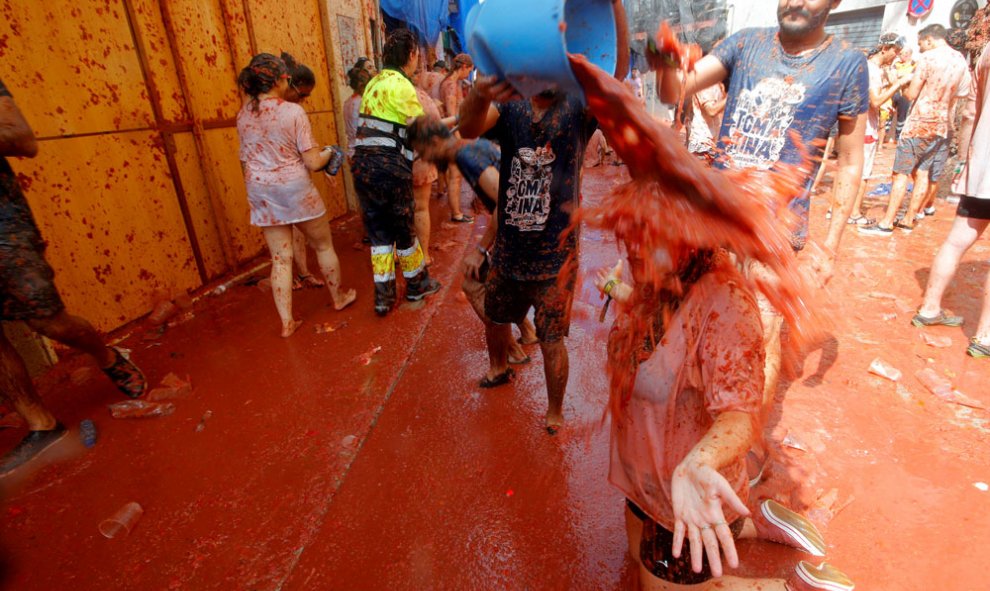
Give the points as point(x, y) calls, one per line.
point(942, 319)
point(522, 361)
point(503, 378)
point(904, 227)
point(861, 220)
point(464, 219)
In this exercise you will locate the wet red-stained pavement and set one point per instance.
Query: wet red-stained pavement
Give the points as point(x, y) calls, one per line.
point(317, 470)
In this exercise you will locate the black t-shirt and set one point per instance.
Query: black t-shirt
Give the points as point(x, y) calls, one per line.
point(539, 180)
point(15, 215)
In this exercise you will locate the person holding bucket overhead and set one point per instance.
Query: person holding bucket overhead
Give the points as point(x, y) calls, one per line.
point(382, 167)
point(543, 139)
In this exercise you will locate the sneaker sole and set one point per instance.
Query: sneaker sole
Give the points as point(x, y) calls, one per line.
point(922, 324)
point(798, 528)
point(819, 580)
point(976, 353)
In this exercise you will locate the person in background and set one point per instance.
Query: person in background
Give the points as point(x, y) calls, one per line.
point(903, 66)
point(706, 119)
point(972, 219)
point(880, 92)
point(941, 79)
point(278, 152)
point(424, 171)
point(433, 78)
point(382, 167)
point(478, 162)
point(301, 85)
point(635, 84)
point(451, 96)
point(357, 79)
point(28, 294)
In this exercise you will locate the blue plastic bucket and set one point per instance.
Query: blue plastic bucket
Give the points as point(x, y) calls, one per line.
point(527, 41)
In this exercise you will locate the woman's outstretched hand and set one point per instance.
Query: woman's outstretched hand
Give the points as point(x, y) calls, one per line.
point(698, 493)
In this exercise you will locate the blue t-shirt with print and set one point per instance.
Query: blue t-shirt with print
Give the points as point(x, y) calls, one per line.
point(772, 93)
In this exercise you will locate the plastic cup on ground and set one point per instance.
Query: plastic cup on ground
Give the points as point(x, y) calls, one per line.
point(122, 522)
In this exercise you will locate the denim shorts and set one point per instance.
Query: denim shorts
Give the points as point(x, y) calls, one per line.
point(922, 153)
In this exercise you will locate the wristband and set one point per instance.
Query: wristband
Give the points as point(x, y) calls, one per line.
point(609, 286)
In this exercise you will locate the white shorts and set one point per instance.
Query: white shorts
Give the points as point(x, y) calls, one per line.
point(869, 154)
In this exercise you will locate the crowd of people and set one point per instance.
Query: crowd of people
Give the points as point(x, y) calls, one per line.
point(687, 427)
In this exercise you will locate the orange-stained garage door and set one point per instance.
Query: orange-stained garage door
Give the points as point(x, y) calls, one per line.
point(137, 187)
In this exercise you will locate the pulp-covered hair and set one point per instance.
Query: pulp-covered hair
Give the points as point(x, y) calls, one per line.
point(935, 31)
point(300, 73)
point(424, 128)
point(460, 60)
point(358, 78)
point(399, 46)
point(260, 76)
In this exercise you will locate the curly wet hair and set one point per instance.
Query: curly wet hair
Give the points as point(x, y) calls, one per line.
point(399, 46)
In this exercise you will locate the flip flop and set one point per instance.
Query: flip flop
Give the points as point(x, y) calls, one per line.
point(465, 219)
point(522, 361)
point(503, 378)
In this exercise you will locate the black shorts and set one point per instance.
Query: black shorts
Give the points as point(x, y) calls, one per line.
point(507, 301)
point(972, 207)
point(27, 282)
point(655, 551)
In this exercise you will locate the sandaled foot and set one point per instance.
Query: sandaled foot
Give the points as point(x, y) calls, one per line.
point(349, 296)
point(942, 319)
point(977, 349)
point(125, 375)
point(520, 360)
point(555, 422)
point(498, 379)
point(808, 577)
point(289, 329)
point(524, 340)
point(776, 523)
point(33, 444)
point(464, 219)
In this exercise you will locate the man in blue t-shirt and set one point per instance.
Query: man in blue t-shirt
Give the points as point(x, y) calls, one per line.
point(543, 140)
point(782, 80)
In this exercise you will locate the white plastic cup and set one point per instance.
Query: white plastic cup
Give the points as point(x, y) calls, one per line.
point(122, 522)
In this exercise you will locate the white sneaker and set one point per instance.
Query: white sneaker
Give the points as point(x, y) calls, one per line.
point(930, 210)
point(919, 216)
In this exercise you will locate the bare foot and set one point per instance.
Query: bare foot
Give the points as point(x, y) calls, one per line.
point(288, 329)
point(349, 296)
point(554, 422)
